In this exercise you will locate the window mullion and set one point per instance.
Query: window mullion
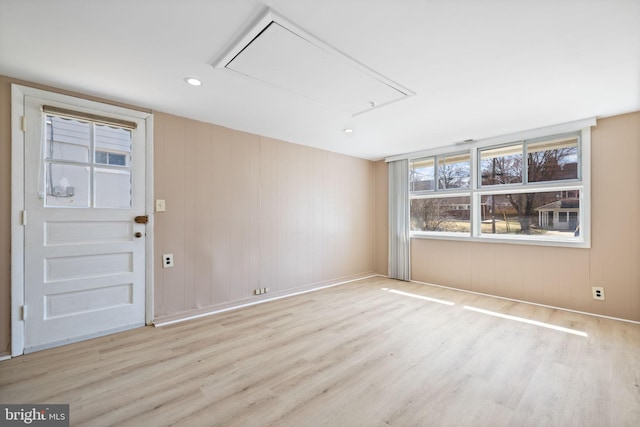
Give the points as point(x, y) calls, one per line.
point(92, 162)
point(525, 163)
point(436, 173)
point(475, 204)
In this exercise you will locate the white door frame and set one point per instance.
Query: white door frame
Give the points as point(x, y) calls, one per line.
point(18, 94)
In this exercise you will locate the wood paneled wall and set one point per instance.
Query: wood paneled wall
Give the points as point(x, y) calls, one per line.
point(246, 212)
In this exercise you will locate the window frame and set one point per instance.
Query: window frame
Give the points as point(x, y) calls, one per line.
point(436, 173)
point(91, 163)
point(581, 130)
point(444, 195)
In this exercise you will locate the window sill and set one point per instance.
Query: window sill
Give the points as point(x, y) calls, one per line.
point(512, 240)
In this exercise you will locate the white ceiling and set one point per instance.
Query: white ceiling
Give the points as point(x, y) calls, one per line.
point(479, 68)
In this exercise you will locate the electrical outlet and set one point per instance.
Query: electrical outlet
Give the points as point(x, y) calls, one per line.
point(167, 260)
point(598, 293)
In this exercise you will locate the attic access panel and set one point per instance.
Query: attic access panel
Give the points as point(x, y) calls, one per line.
point(280, 54)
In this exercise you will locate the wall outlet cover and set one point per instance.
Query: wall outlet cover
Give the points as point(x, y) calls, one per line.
point(598, 293)
point(167, 260)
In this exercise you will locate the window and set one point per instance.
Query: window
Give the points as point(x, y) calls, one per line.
point(422, 175)
point(441, 208)
point(87, 164)
point(501, 165)
point(540, 213)
point(106, 158)
point(528, 190)
point(442, 214)
point(454, 171)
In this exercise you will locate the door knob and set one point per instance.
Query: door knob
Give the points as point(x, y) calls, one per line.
point(138, 234)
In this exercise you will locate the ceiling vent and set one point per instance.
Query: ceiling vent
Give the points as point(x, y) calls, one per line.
point(277, 52)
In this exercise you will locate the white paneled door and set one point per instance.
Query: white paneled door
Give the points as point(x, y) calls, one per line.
point(84, 230)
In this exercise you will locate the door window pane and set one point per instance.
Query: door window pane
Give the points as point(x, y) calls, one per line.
point(67, 185)
point(67, 139)
point(112, 188)
point(113, 145)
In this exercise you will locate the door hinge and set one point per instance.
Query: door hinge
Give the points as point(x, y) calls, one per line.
point(23, 123)
point(24, 217)
point(23, 312)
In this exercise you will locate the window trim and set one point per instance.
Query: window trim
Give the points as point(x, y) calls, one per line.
point(583, 183)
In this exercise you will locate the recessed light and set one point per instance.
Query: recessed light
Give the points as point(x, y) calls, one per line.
point(193, 81)
point(347, 130)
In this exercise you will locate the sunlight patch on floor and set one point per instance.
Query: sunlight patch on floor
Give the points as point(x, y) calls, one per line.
point(490, 313)
point(422, 297)
point(529, 321)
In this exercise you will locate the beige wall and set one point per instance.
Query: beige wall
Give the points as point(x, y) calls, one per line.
point(247, 212)
point(562, 277)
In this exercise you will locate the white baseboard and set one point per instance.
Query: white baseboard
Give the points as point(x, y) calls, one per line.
point(171, 321)
point(529, 302)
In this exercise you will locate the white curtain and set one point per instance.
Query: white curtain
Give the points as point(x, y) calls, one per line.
point(399, 241)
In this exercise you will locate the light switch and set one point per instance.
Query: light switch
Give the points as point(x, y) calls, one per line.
point(160, 206)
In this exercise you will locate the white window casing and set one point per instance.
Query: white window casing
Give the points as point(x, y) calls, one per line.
point(567, 182)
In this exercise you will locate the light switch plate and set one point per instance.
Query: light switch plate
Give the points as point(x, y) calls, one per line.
point(160, 205)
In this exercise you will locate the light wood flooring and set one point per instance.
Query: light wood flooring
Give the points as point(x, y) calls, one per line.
point(358, 354)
